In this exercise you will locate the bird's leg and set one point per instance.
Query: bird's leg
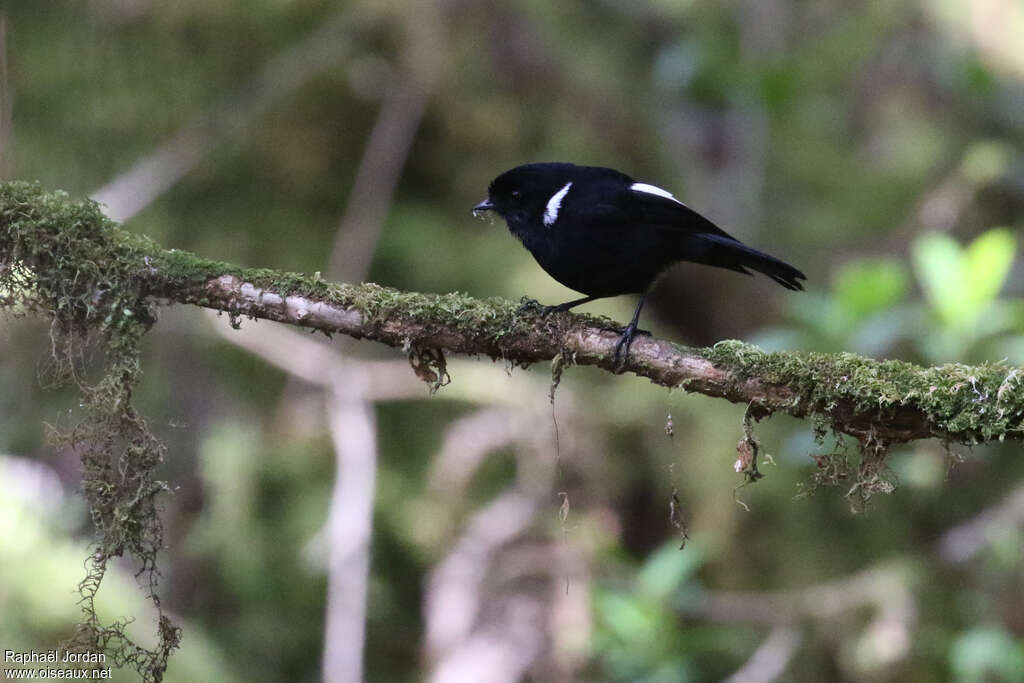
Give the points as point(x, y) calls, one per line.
point(529, 305)
point(548, 310)
point(626, 340)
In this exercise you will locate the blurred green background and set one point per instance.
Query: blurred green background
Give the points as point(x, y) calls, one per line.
point(877, 146)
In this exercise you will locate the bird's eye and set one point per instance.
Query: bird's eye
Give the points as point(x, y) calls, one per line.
point(516, 194)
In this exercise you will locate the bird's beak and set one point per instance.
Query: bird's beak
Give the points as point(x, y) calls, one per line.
point(485, 205)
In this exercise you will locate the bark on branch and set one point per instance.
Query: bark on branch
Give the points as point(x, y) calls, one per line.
point(886, 401)
point(878, 402)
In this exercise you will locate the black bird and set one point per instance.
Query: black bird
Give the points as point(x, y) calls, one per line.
point(602, 233)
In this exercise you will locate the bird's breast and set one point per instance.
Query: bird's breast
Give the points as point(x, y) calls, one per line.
point(597, 259)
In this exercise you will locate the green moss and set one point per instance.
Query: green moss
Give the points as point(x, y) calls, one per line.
point(957, 399)
point(476, 319)
point(848, 393)
point(67, 260)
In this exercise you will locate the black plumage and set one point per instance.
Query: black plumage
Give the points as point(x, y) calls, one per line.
point(602, 233)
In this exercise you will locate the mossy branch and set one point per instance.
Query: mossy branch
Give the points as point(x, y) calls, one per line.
point(66, 260)
point(875, 401)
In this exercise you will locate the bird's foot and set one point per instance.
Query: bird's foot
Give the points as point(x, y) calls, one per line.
point(622, 346)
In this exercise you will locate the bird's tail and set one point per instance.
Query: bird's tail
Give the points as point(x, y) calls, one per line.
point(726, 252)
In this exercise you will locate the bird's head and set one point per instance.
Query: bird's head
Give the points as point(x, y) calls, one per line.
point(522, 193)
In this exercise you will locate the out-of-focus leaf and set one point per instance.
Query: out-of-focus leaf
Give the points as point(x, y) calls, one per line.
point(986, 264)
point(819, 313)
point(666, 569)
point(962, 284)
point(630, 619)
point(868, 286)
point(987, 654)
point(938, 261)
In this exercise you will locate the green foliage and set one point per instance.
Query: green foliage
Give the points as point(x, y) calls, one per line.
point(962, 315)
point(666, 570)
point(639, 634)
point(962, 286)
point(864, 288)
point(860, 314)
point(987, 654)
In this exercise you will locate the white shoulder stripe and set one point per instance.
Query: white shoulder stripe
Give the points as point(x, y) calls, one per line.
point(653, 189)
point(554, 204)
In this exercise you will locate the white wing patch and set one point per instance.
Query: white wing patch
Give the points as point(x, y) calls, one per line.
point(653, 189)
point(554, 204)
